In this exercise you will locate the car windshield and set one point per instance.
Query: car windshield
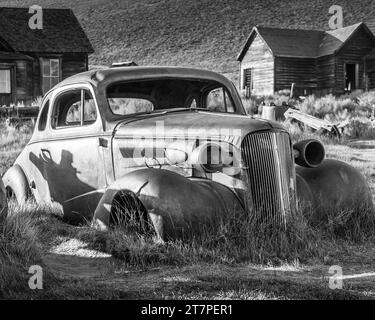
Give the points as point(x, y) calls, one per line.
point(152, 95)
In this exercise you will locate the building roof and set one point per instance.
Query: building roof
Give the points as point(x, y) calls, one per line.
point(370, 23)
point(293, 42)
point(4, 55)
point(61, 31)
point(333, 40)
point(303, 43)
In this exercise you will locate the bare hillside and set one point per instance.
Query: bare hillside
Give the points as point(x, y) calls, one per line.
point(205, 33)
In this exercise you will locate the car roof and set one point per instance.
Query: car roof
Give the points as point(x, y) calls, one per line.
point(114, 74)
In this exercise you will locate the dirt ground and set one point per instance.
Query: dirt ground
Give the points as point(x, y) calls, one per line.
point(72, 259)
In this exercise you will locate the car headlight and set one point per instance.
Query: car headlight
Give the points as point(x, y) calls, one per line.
point(215, 157)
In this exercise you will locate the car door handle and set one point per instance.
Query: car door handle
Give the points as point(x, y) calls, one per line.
point(45, 155)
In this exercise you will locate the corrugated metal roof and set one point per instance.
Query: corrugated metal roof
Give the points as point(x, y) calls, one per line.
point(61, 31)
point(302, 43)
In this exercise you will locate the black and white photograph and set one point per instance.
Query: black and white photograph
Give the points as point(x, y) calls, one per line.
point(187, 155)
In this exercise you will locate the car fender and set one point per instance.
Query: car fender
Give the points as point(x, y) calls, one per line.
point(16, 180)
point(175, 204)
point(333, 185)
point(3, 202)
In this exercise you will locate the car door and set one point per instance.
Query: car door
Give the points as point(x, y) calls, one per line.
point(73, 163)
point(30, 159)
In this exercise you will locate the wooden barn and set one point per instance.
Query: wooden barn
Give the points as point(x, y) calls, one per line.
point(315, 61)
point(34, 60)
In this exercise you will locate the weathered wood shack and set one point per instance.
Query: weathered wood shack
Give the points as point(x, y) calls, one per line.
point(315, 61)
point(33, 60)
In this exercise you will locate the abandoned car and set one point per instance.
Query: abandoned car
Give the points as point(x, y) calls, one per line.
point(173, 146)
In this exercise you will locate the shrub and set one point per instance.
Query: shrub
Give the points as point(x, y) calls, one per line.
point(327, 107)
point(252, 104)
point(336, 109)
point(359, 128)
point(37, 102)
point(351, 111)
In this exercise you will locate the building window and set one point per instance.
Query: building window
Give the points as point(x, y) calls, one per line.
point(50, 73)
point(248, 81)
point(5, 81)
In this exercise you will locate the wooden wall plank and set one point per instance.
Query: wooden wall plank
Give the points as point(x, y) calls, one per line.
point(354, 51)
point(261, 60)
point(301, 71)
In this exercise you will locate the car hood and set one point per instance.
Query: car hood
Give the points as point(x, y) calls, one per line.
point(197, 123)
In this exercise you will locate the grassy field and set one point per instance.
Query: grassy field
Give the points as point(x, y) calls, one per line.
point(204, 33)
point(79, 262)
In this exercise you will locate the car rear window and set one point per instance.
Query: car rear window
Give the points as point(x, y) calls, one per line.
point(123, 106)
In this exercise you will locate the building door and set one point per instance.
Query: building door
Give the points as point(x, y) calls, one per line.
point(351, 76)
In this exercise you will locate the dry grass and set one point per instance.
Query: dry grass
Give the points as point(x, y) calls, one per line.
point(12, 142)
point(225, 285)
point(238, 239)
point(25, 236)
point(19, 248)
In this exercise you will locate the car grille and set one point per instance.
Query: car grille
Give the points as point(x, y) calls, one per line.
point(268, 170)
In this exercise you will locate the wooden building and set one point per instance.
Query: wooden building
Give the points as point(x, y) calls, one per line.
point(34, 60)
point(315, 61)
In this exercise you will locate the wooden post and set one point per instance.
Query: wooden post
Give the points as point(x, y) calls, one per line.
point(292, 90)
point(365, 77)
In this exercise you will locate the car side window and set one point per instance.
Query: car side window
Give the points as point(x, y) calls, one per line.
point(89, 108)
point(74, 108)
point(42, 124)
point(218, 100)
point(228, 102)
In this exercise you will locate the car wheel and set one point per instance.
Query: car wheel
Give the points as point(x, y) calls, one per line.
point(129, 213)
point(16, 186)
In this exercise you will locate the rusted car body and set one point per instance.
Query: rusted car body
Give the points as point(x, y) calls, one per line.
point(176, 145)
